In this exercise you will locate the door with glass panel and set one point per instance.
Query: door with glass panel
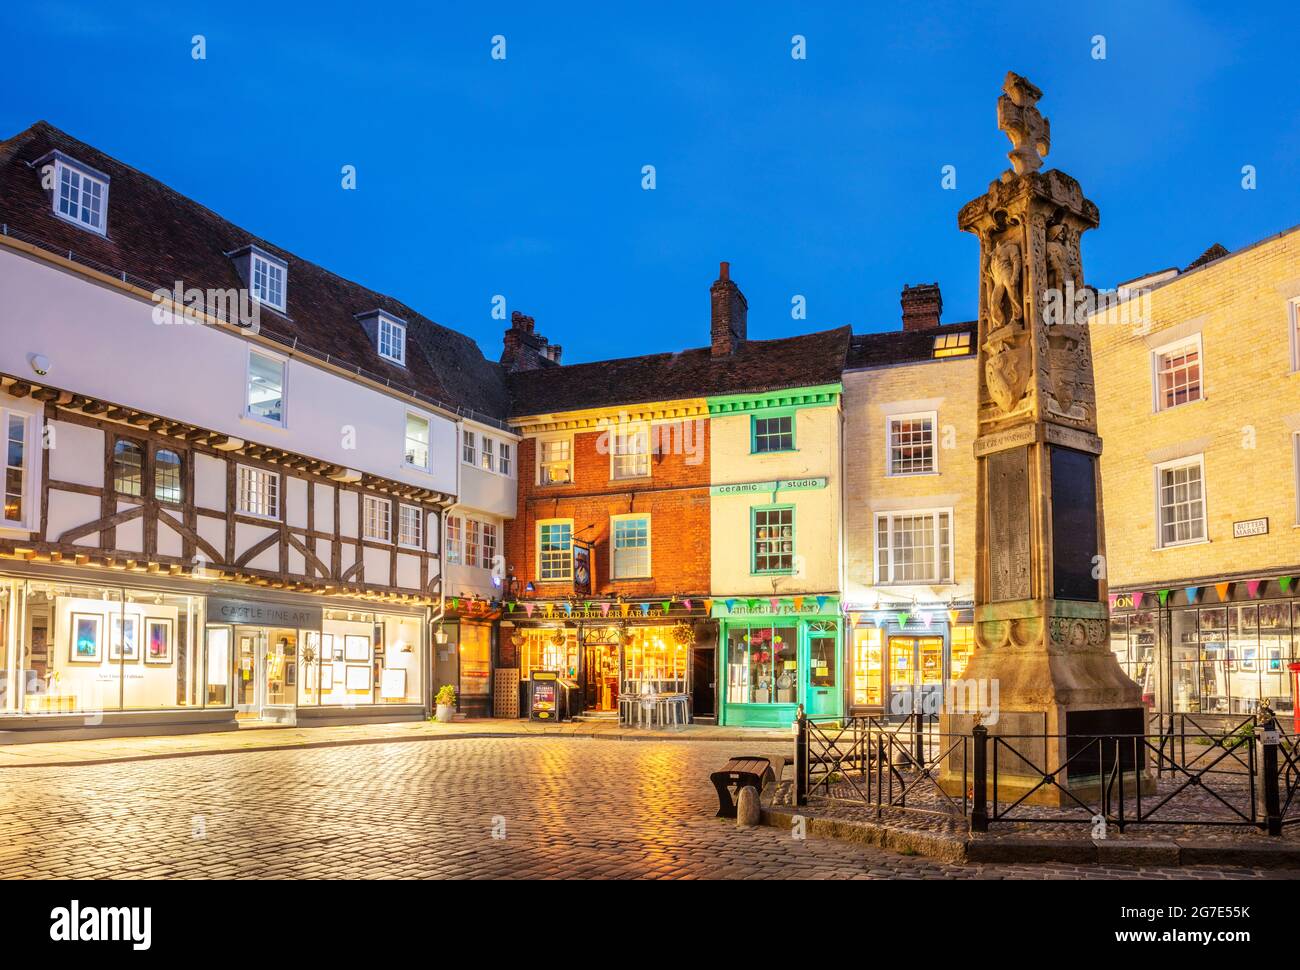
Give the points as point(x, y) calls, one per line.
point(823, 670)
point(249, 652)
point(915, 674)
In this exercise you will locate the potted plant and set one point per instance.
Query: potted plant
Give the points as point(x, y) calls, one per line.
point(446, 701)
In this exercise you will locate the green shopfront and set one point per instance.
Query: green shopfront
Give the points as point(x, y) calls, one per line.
point(777, 653)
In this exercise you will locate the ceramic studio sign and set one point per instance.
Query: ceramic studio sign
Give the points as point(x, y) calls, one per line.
point(780, 485)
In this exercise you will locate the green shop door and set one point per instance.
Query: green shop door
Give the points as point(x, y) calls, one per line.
point(823, 666)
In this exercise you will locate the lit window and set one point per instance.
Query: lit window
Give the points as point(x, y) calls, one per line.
point(487, 459)
point(268, 280)
point(952, 344)
point(167, 476)
point(468, 452)
point(911, 444)
point(392, 341)
point(631, 558)
point(15, 466)
point(504, 459)
point(489, 545)
point(629, 450)
point(556, 461)
point(81, 197)
point(265, 388)
point(378, 516)
point(410, 526)
point(472, 538)
point(773, 540)
point(417, 441)
point(1178, 374)
point(555, 551)
point(454, 538)
point(1182, 502)
point(773, 434)
point(128, 468)
point(914, 547)
point(259, 492)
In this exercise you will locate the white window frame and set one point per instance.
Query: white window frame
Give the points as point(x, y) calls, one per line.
point(258, 259)
point(1160, 469)
point(65, 166)
point(1157, 394)
point(268, 496)
point(468, 447)
point(410, 514)
point(1293, 321)
point(395, 332)
point(284, 388)
point(487, 453)
point(26, 521)
point(454, 543)
point(505, 459)
point(890, 515)
point(619, 436)
point(615, 572)
point(543, 464)
point(933, 417)
point(428, 443)
point(567, 577)
point(473, 546)
point(486, 558)
point(376, 518)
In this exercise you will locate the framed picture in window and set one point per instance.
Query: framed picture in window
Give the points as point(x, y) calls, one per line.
point(1274, 659)
point(356, 649)
point(358, 677)
point(328, 650)
point(1248, 656)
point(86, 640)
point(125, 643)
point(327, 677)
point(159, 632)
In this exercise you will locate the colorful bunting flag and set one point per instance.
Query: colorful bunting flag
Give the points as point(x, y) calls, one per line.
point(1112, 598)
point(645, 609)
point(1285, 582)
point(853, 620)
point(1222, 590)
point(686, 603)
point(774, 602)
point(1252, 587)
point(730, 604)
point(708, 606)
point(668, 605)
point(528, 608)
point(1191, 592)
point(903, 617)
point(954, 616)
point(927, 618)
point(881, 618)
point(604, 609)
point(568, 608)
point(798, 604)
point(625, 607)
point(1163, 595)
point(821, 603)
point(1137, 600)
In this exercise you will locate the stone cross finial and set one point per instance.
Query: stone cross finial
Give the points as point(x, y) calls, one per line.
point(1029, 131)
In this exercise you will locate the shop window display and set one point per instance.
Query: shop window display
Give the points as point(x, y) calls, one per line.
point(868, 645)
point(763, 665)
point(361, 658)
point(656, 660)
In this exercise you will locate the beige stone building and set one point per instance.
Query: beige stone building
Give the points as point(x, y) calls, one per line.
point(909, 493)
point(1198, 400)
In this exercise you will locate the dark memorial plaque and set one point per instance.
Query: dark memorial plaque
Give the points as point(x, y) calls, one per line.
point(1008, 524)
point(1074, 525)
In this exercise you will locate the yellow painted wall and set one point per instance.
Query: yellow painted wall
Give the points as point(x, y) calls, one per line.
point(817, 513)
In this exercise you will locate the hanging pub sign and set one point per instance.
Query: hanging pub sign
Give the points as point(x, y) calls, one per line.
point(582, 567)
point(543, 696)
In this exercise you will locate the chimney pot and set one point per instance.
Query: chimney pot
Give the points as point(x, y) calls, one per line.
point(729, 310)
point(724, 271)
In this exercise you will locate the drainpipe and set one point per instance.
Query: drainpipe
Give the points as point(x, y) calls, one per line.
point(442, 560)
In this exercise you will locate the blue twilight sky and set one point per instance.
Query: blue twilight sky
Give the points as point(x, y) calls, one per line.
point(819, 177)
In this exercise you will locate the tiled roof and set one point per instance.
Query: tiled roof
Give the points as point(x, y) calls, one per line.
point(808, 360)
point(157, 235)
point(901, 346)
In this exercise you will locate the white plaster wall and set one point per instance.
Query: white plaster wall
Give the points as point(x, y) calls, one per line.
point(104, 343)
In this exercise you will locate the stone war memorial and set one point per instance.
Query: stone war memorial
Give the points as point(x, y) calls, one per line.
point(1041, 615)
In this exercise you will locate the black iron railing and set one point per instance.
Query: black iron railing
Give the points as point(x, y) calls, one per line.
point(1183, 771)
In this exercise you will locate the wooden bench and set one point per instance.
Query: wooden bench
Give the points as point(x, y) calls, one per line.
point(745, 771)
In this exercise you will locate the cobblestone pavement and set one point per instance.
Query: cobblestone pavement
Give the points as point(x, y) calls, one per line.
point(569, 807)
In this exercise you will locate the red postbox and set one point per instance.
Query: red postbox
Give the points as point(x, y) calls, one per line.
point(1295, 694)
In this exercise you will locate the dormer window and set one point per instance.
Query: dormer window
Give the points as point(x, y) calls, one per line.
point(79, 193)
point(392, 341)
point(268, 278)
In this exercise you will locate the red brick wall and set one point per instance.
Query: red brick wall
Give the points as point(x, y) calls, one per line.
point(676, 496)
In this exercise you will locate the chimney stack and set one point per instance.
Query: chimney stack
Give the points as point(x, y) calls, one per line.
point(729, 310)
point(523, 349)
point(922, 306)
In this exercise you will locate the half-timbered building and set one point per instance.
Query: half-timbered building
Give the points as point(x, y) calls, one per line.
point(227, 470)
